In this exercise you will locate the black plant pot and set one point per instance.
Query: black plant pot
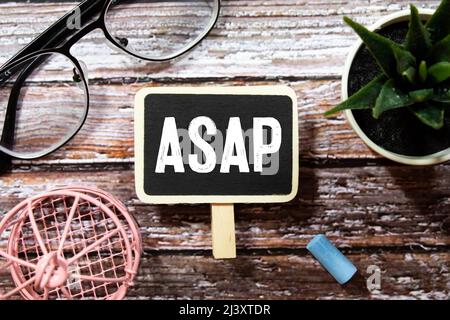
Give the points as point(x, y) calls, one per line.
point(397, 135)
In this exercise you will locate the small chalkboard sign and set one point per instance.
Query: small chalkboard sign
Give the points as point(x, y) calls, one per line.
point(216, 145)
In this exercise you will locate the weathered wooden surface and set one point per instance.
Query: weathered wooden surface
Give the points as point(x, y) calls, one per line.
point(277, 41)
point(107, 135)
point(283, 275)
point(382, 214)
point(357, 207)
point(255, 38)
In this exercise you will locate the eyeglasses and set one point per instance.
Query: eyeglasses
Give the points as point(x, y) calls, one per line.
point(44, 93)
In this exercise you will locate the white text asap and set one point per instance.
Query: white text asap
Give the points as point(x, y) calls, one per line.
point(234, 151)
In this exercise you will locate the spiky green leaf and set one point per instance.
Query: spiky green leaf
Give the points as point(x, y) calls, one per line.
point(405, 61)
point(439, 72)
point(440, 52)
point(418, 38)
point(423, 72)
point(430, 114)
point(442, 94)
point(390, 98)
point(421, 95)
point(410, 75)
point(379, 46)
point(363, 99)
point(439, 23)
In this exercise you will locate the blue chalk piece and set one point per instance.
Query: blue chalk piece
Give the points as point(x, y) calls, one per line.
point(331, 259)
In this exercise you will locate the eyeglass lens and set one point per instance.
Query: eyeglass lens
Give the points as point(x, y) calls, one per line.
point(157, 30)
point(44, 100)
point(42, 104)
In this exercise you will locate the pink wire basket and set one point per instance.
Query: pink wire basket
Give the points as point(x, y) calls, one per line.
point(71, 243)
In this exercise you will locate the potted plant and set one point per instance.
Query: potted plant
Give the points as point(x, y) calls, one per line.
point(396, 86)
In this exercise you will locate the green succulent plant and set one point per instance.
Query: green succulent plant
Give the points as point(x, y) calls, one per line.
point(415, 74)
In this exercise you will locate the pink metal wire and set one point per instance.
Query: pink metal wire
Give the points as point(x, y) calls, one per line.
point(71, 243)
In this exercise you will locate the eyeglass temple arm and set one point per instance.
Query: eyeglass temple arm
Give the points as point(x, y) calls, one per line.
point(59, 32)
point(5, 162)
point(9, 125)
point(7, 137)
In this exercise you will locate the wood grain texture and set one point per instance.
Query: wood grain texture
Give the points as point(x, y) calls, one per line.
point(395, 217)
point(293, 277)
point(286, 276)
point(275, 42)
point(108, 136)
point(277, 38)
point(356, 207)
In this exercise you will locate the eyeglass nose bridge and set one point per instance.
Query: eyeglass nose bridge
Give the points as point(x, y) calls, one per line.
point(77, 77)
point(120, 46)
point(4, 76)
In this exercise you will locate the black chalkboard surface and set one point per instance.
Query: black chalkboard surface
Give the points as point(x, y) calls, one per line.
point(220, 145)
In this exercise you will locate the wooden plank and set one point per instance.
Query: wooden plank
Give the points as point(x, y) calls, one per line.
point(359, 207)
point(292, 276)
point(279, 38)
point(107, 135)
point(394, 217)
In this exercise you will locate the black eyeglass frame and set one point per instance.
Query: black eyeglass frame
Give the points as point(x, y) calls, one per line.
point(59, 39)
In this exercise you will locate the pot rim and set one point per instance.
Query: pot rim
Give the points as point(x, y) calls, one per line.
point(435, 158)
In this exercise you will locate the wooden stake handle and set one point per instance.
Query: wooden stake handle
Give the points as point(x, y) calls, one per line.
point(223, 234)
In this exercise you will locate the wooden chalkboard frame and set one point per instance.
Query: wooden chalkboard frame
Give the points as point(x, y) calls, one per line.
point(218, 199)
